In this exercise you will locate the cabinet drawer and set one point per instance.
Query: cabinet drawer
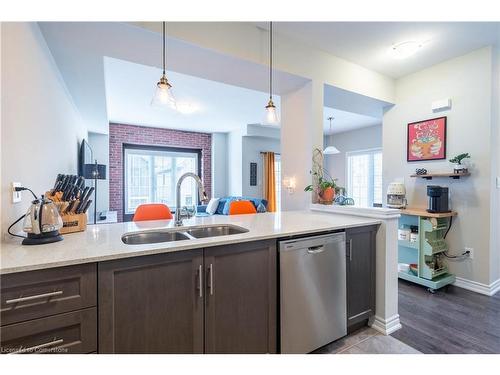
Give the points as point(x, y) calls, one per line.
point(35, 294)
point(74, 332)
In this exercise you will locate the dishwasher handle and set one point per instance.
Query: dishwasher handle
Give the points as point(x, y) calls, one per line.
point(315, 249)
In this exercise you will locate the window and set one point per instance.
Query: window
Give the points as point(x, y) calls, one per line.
point(364, 177)
point(277, 180)
point(151, 175)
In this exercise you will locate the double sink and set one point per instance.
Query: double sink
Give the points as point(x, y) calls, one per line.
point(181, 234)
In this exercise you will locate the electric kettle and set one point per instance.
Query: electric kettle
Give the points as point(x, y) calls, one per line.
point(42, 222)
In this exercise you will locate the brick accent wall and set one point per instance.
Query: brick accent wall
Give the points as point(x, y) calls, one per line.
point(140, 135)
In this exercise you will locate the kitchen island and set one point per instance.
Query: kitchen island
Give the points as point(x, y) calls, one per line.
point(94, 293)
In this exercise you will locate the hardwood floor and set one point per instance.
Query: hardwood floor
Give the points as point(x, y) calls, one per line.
point(453, 320)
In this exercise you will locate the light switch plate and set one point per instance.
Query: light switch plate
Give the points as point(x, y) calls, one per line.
point(16, 195)
point(498, 182)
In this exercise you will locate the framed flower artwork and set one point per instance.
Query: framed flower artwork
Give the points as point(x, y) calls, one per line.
point(427, 140)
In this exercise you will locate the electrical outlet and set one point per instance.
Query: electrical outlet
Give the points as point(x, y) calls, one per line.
point(471, 252)
point(16, 195)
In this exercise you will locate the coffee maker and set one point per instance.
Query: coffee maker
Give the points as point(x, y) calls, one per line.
point(396, 195)
point(438, 199)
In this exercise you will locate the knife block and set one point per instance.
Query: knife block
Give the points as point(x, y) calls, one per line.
point(73, 223)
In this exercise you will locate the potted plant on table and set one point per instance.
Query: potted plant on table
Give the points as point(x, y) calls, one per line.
point(458, 167)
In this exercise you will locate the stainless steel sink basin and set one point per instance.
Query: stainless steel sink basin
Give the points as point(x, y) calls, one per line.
point(181, 233)
point(215, 230)
point(153, 237)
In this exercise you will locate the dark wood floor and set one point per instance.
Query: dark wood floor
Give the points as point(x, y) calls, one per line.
point(453, 320)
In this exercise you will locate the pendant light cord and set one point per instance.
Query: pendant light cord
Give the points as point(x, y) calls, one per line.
point(164, 47)
point(271, 60)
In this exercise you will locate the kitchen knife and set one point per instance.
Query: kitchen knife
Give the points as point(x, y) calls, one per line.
point(86, 207)
point(58, 179)
point(64, 182)
point(69, 188)
point(80, 182)
point(85, 197)
point(70, 207)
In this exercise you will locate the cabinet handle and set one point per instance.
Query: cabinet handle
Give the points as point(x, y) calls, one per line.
point(200, 281)
point(350, 249)
point(36, 296)
point(37, 347)
point(211, 279)
point(315, 249)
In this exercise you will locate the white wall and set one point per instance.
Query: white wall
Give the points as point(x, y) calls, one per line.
point(252, 147)
point(355, 140)
point(234, 173)
point(495, 170)
point(100, 149)
point(467, 80)
point(219, 164)
point(41, 127)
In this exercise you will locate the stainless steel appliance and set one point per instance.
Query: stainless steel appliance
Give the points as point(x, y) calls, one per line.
point(438, 199)
point(42, 223)
point(312, 292)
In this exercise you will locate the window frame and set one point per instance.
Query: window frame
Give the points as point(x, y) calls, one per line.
point(134, 146)
point(372, 152)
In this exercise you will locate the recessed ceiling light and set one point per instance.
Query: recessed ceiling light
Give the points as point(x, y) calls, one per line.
point(187, 108)
point(405, 49)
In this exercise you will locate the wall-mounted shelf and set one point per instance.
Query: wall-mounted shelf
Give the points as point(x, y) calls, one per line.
point(430, 176)
point(423, 212)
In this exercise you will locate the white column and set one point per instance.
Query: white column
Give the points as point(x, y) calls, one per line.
point(301, 131)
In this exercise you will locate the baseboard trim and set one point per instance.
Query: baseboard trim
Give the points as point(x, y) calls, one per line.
point(387, 326)
point(474, 286)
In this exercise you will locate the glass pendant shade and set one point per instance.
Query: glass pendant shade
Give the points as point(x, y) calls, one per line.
point(331, 150)
point(163, 96)
point(271, 116)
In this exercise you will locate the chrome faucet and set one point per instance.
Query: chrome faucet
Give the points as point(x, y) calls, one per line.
point(182, 213)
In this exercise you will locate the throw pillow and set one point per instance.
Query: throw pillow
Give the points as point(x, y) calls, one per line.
point(212, 206)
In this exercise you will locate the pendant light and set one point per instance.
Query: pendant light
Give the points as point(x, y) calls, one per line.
point(163, 96)
point(271, 115)
point(330, 150)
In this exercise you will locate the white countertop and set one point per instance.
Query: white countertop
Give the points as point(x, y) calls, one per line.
point(103, 242)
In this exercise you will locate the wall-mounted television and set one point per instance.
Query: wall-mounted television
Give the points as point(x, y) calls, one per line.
point(85, 156)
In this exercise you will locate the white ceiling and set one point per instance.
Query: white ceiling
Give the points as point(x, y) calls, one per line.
point(368, 43)
point(219, 107)
point(81, 48)
point(345, 121)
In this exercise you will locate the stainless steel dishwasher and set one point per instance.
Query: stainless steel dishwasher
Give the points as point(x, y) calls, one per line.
point(312, 292)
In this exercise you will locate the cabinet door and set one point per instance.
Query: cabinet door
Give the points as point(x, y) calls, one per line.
point(241, 298)
point(360, 249)
point(152, 304)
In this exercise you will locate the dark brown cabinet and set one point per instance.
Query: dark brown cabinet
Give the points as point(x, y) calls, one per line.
point(360, 252)
point(49, 311)
point(240, 302)
point(152, 304)
point(216, 300)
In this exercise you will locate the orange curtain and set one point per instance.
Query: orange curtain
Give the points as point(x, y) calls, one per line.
point(269, 181)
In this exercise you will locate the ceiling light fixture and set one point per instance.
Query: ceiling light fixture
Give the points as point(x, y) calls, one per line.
point(163, 96)
point(405, 49)
point(271, 115)
point(331, 150)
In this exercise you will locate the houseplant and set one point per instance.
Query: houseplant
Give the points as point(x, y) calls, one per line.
point(457, 161)
point(325, 189)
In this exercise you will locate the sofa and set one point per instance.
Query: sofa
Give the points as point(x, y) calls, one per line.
point(224, 203)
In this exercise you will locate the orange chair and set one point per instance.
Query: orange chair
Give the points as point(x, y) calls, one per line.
point(242, 207)
point(152, 211)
